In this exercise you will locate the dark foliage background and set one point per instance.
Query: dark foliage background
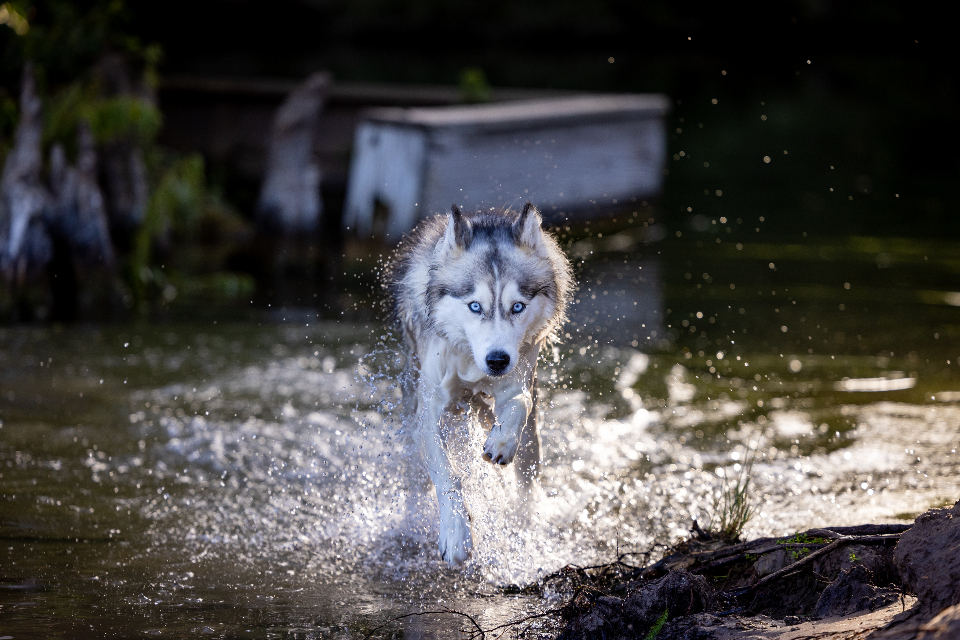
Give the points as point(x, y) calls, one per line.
point(876, 101)
point(793, 122)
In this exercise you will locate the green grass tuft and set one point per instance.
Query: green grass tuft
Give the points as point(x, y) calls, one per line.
point(734, 507)
point(658, 625)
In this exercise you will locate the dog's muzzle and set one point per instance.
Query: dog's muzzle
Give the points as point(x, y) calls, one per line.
point(497, 362)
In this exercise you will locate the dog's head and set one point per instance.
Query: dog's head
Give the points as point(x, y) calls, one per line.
point(499, 283)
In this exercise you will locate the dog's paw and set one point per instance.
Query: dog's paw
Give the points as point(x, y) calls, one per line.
point(500, 449)
point(456, 539)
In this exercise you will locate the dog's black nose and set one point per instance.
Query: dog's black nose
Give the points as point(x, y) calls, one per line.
point(498, 361)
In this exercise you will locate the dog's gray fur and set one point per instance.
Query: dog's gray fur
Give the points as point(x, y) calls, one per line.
point(476, 296)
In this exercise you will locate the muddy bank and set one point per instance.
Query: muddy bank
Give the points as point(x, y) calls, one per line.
point(890, 582)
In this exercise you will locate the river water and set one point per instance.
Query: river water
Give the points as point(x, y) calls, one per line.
point(252, 480)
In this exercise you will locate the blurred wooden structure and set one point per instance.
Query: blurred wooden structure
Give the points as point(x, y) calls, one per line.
point(290, 194)
point(229, 120)
point(607, 148)
point(573, 156)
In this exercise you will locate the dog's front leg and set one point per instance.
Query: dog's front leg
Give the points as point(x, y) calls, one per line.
point(455, 537)
point(504, 438)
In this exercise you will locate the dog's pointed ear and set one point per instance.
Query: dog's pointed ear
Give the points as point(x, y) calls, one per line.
point(526, 228)
point(459, 231)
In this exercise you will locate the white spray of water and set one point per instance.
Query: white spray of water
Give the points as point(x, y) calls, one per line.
point(336, 487)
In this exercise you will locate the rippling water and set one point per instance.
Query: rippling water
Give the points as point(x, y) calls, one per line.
point(242, 480)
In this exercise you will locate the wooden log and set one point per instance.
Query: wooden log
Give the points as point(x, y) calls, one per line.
point(123, 172)
point(77, 215)
point(125, 181)
point(25, 248)
point(290, 196)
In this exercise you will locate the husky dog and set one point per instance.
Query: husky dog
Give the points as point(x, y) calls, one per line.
point(476, 296)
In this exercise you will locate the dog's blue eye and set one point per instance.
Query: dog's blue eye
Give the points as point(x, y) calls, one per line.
point(518, 307)
point(475, 307)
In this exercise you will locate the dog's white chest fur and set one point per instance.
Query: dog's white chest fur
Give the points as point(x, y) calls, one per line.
point(446, 364)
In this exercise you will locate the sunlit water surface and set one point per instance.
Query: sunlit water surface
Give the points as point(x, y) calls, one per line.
point(238, 481)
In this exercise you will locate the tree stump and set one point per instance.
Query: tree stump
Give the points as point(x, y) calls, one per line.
point(290, 196)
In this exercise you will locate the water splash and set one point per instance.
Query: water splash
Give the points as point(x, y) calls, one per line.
point(307, 459)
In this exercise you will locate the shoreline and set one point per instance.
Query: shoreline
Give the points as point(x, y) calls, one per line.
point(883, 582)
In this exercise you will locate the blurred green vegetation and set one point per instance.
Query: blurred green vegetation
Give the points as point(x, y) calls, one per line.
point(65, 38)
point(131, 118)
point(68, 44)
point(474, 87)
point(183, 209)
point(175, 202)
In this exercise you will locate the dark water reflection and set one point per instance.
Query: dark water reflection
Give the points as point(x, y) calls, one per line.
point(243, 480)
